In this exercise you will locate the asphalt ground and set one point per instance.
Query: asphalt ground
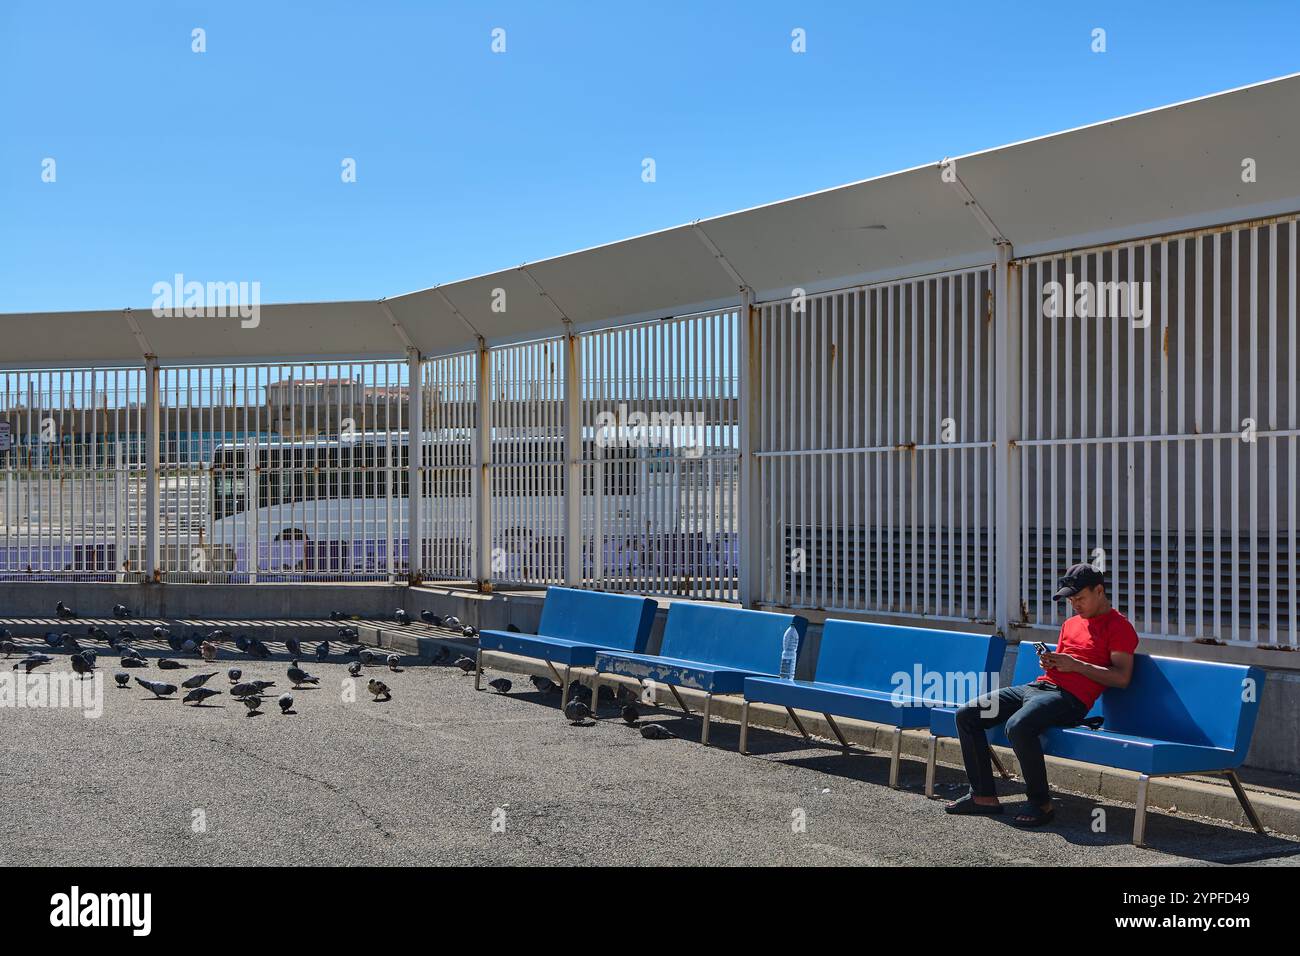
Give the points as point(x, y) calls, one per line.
point(443, 775)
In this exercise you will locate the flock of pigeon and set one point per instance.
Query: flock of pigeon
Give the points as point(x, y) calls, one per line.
point(252, 693)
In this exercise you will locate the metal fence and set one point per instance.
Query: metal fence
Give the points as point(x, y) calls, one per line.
point(875, 463)
point(939, 447)
point(1160, 437)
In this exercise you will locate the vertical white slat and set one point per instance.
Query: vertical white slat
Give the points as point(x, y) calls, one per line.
point(1006, 373)
point(481, 489)
point(573, 458)
point(152, 558)
point(414, 465)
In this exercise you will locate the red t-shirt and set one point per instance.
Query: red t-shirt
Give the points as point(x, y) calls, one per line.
point(1091, 639)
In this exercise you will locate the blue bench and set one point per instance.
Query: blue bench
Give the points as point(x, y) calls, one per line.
point(1176, 717)
point(884, 674)
point(709, 648)
point(575, 626)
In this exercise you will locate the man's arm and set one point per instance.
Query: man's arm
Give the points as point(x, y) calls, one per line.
point(1117, 674)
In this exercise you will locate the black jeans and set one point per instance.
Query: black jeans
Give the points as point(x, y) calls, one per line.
point(1027, 710)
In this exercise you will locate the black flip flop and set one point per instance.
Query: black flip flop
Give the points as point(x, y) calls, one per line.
point(967, 807)
point(1037, 816)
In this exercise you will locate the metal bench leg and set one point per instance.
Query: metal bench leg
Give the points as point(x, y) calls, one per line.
point(708, 706)
point(1140, 817)
point(835, 729)
point(744, 727)
point(998, 763)
point(797, 722)
point(680, 703)
point(478, 670)
point(564, 687)
point(894, 754)
point(931, 761)
point(1242, 796)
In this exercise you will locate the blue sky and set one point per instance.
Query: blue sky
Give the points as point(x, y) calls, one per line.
point(225, 165)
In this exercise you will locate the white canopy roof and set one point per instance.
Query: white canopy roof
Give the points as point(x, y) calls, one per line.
point(1165, 170)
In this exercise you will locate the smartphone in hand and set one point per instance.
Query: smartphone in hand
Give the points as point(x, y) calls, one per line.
point(1040, 647)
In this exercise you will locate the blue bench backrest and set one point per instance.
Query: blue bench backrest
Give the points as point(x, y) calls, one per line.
point(728, 637)
point(858, 654)
point(1191, 702)
point(621, 621)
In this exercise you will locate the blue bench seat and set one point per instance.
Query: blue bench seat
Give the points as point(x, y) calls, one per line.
point(870, 672)
point(1176, 717)
point(574, 627)
point(706, 647)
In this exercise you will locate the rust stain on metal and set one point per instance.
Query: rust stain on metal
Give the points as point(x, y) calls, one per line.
point(1164, 345)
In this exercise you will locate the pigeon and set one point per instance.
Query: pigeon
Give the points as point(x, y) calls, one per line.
point(575, 711)
point(394, 663)
point(252, 703)
point(98, 633)
point(156, 687)
point(470, 631)
point(369, 657)
point(81, 665)
point(402, 617)
point(198, 680)
point(606, 693)
point(286, 703)
point(52, 639)
point(258, 649)
point(338, 616)
point(167, 664)
point(262, 685)
point(466, 664)
point(440, 656)
point(300, 676)
point(189, 645)
point(5, 633)
point(209, 651)
point(630, 714)
point(379, 689)
point(9, 647)
point(175, 643)
point(500, 685)
point(159, 633)
point(70, 643)
point(125, 634)
point(322, 650)
point(625, 695)
point(133, 662)
point(63, 612)
point(247, 689)
point(348, 633)
point(544, 685)
point(512, 629)
point(120, 610)
point(578, 691)
point(656, 732)
point(198, 695)
point(234, 674)
point(126, 650)
point(241, 642)
point(428, 617)
point(355, 668)
point(32, 662)
point(451, 621)
point(293, 647)
point(122, 678)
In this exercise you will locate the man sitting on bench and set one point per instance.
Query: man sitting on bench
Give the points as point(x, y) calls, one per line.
point(1094, 651)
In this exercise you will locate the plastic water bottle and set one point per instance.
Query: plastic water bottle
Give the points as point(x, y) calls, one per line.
point(789, 653)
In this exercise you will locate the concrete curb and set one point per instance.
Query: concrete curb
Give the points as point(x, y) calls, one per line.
point(1201, 797)
point(411, 643)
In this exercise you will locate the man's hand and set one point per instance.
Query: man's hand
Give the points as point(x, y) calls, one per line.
point(1063, 663)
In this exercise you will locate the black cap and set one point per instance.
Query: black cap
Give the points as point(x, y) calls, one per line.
point(1075, 580)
